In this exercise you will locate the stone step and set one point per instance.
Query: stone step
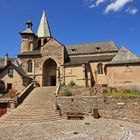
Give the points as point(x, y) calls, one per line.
point(27, 121)
point(37, 107)
point(30, 118)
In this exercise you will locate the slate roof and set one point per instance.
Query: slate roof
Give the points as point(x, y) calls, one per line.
point(18, 68)
point(98, 47)
point(87, 59)
point(44, 29)
point(124, 56)
point(34, 52)
point(27, 31)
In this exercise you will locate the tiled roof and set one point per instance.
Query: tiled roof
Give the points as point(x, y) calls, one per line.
point(18, 68)
point(28, 31)
point(124, 56)
point(98, 47)
point(87, 59)
point(34, 52)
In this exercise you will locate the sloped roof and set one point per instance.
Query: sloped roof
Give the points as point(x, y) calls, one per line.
point(44, 30)
point(27, 31)
point(87, 59)
point(18, 68)
point(98, 47)
point(30, 53)
point(124, 56)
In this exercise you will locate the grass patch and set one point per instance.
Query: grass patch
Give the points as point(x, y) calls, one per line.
point(67, 92)
point(124, 93)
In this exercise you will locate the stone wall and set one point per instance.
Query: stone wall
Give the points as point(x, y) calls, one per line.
point(123, 108)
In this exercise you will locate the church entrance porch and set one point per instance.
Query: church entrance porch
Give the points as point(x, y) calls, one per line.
point(49, 73)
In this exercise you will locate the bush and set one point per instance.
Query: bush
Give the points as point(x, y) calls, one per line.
point(127, 91)
point(67, 92)
point(72, 83)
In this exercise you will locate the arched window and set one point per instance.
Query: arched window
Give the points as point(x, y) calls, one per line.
point(29, 66)
point(100, 68)
point(39, 43)
point(45, 41)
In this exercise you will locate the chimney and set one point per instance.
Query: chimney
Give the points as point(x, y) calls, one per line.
point(6, 59)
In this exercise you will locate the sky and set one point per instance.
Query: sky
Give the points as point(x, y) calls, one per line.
point(72, 22)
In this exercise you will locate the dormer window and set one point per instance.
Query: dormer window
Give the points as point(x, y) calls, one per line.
point(73, 50)
point(98, 48)
point(10, 72)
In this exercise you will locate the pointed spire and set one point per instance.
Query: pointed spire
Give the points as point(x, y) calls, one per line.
point(44, 30)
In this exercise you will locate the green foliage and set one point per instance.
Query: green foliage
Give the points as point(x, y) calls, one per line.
point(127, 91)
point(72, 84)
point(124, 93)
point(67, 92)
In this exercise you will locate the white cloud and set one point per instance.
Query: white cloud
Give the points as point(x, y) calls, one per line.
point(132, 11)
point(92, 6)
point(117, 5)
point(98, 2)
point(94, 3)
point(113, 5)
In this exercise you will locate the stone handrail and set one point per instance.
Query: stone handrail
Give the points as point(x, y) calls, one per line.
point(25, 93)
point(57, 89)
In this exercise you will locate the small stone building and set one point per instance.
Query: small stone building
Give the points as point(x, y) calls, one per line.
point(49, 62)
point(14, 77)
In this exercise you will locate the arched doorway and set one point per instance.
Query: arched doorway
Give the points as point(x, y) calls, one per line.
point(49, 72)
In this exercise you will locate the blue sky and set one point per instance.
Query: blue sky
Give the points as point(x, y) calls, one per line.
point(72, 22)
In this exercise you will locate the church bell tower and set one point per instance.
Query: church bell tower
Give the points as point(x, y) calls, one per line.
point(28, 38)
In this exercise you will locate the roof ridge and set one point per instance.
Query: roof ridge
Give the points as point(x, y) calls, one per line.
point(89, 43)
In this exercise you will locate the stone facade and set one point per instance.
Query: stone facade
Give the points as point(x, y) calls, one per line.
point(78, 63)
point(14, 79)
point(48, 62)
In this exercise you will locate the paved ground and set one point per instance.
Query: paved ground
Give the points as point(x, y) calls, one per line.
point(87, 129)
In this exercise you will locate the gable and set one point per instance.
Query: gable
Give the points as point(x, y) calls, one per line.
point(54, 50)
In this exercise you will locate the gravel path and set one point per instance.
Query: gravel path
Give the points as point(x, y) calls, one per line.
point(87, 129)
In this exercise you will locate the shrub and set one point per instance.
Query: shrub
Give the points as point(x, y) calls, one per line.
point(72, 83)
point(127, 91)
point(67, 92)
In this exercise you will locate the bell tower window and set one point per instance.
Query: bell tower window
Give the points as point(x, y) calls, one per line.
point(39, 43)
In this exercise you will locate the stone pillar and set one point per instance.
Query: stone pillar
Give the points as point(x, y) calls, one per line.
point(57, 75)
point(96, 81)
point(84, 74)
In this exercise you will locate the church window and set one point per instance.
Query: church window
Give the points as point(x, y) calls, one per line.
point(100, 68)
point(29, 66)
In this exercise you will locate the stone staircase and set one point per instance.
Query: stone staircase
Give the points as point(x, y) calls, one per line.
point(37, 107)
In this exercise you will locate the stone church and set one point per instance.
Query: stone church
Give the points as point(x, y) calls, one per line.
point(44, 59)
